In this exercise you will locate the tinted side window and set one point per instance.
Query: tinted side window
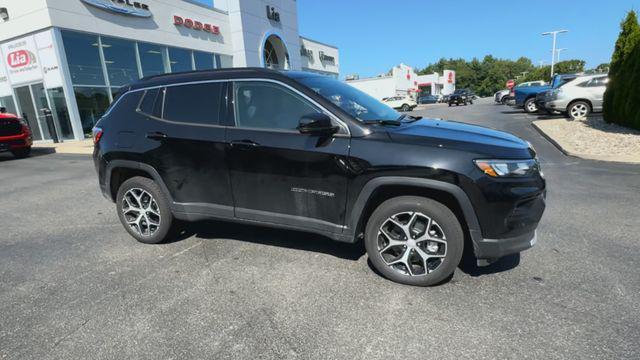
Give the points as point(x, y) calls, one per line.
point(147, 105)
point(194, 103)
point(268, 105)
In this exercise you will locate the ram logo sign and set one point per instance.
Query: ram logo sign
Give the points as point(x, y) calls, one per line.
point(21, 58)
point(122, 7)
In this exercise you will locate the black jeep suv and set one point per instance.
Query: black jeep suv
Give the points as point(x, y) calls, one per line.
point(307, 152)
point(461, 96)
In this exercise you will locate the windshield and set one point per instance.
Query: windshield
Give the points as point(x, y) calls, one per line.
point(353, 101)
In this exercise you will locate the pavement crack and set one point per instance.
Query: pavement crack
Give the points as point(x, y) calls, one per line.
point(71, 333)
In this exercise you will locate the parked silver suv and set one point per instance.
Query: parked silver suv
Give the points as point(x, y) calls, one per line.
point(579, 97)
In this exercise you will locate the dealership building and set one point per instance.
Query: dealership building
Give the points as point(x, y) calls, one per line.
point(72, 56)
point(402, 80)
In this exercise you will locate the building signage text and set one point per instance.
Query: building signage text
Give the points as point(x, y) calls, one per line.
point(326, 58)
point(195, 25)
point(272, 14)
point(122, 7)
point(306, 52)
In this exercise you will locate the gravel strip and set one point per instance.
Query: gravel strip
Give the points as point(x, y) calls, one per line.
point(593, 138)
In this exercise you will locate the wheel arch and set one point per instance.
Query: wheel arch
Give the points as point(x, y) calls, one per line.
point(378, 190)
point(119, 171)
point(583, 100)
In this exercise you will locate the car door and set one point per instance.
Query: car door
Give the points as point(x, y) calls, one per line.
point(188, 145)
point(279, 175)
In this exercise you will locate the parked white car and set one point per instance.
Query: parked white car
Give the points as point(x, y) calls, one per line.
point(401, 102)
point(579, 97)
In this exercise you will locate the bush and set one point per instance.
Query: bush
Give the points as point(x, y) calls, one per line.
point(622, 97)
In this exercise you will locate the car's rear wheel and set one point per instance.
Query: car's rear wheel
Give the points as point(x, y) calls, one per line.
point(22, 152)
point(144, 211)
point(579, 110)
point(530, 106)
point(414, 240)
point(405, 108)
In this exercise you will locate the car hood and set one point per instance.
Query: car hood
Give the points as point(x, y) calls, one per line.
point(459, 136)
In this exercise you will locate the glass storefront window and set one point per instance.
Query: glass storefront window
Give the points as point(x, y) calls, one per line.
point(180, 60)
point(203, 60)
point(83, 58)
point(7, 103)
point(120, 59)
point(224, 61)
point(152, 59)
point(92, 103)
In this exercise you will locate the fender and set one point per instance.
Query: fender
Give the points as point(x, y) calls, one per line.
point(463, 200)
point(137, 166)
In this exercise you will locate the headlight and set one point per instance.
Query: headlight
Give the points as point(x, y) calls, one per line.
point(507, 168)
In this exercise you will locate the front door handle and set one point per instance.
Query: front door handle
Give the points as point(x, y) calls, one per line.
point(156, 135)
point(244, 144)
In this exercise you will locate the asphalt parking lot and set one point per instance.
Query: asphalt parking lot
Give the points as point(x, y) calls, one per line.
point(74, 284)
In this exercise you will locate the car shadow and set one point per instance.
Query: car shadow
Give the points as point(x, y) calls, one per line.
point(271, 237)
point(469, 265)
point(35, 152)
point(513, 112)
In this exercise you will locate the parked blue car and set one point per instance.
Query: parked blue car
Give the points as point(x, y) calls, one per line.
point(525, 97)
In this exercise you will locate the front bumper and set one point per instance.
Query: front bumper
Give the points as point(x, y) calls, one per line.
point(557, 105)
point(489, 249)
point(8, 143)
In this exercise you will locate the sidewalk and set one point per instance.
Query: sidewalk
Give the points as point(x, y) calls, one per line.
point(68, 147)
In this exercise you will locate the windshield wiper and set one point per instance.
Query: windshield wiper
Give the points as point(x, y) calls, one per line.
point(383, 122)
point(412, 118)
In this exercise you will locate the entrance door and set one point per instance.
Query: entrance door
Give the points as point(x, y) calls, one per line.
point(28, 110)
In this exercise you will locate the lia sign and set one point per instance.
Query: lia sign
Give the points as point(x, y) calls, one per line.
point(20, 58)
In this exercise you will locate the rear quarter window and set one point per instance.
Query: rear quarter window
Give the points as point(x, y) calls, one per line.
point(196, 104)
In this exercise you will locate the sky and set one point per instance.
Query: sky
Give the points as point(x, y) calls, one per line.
point(375, 35)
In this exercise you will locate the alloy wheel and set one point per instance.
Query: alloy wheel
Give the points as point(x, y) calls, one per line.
point(141, 212)
point(531, 106)
point(412, 244)
point(579, 110)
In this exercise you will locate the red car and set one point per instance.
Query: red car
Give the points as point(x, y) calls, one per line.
point(15, 135)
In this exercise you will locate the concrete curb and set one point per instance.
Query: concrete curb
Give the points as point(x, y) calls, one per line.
point(578, 155)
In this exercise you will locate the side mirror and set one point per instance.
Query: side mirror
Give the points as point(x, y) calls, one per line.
point(317, 124)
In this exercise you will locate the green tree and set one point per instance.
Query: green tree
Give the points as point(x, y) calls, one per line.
point(621, 70)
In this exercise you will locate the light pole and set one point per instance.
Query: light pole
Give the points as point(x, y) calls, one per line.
point(553, 49)
point(559, 51)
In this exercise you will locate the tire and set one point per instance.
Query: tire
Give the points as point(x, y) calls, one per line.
point(471, 102)
point(154, 234)
point(579, 109)
point(414, 210)
point(449, 104)
point(504, 100)
point(530, 106)
point(405, 108)
point(22, 152)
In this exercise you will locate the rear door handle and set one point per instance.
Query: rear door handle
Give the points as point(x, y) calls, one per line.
point(244, 144)
point(156, 135)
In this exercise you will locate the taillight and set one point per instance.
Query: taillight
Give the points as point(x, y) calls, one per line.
point(97, 134)
point(25, 126)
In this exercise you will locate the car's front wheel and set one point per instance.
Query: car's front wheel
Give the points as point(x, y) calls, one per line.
point(530, 106)
point(405, 108)
point(414, 240)
point(144, 210)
